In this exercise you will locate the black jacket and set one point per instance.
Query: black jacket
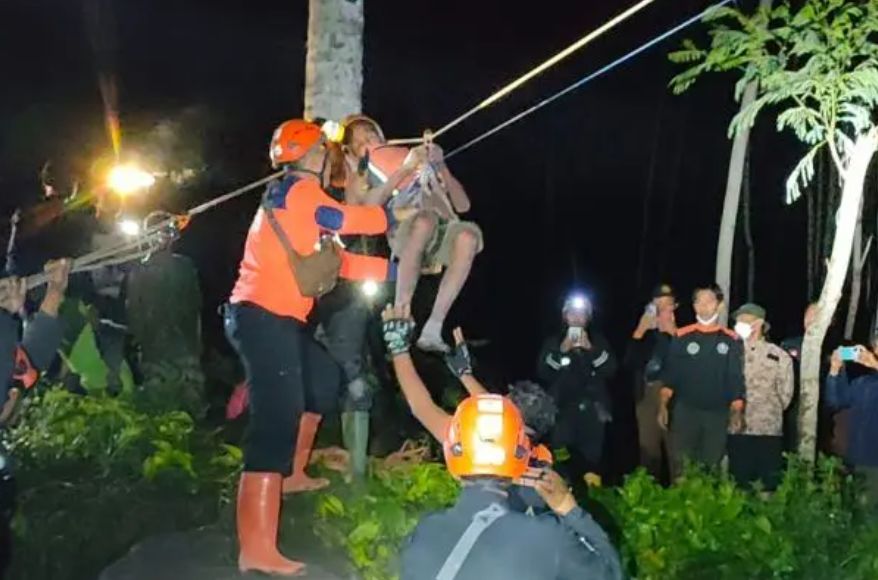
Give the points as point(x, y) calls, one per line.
point(516, 546)
point(579, 375)
point(704, 366)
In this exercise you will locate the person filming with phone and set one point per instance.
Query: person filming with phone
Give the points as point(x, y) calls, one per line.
point(860, 396)
point(575, 368)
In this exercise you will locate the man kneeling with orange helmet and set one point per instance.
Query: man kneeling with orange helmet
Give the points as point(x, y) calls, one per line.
point(480, 537)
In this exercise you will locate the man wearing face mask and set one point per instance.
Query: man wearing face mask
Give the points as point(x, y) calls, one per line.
point(702, 374)
point(647, 348)
point(756, 454)
point(575, 368)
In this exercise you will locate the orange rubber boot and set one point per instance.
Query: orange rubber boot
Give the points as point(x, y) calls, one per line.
point(258, 514)
point(299, 481)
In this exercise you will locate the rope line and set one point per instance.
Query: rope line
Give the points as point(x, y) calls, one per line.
point(588, 38)
point(132, 249)
point(585, 80)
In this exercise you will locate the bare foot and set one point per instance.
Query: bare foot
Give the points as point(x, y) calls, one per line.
point(275, 565)
point(300, 483)
point(333, 458)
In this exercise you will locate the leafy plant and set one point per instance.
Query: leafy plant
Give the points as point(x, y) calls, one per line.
point(86, 465)
point(371, 524)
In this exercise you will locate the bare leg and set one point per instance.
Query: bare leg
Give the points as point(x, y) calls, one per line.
point(411, 257)
point(464, 252)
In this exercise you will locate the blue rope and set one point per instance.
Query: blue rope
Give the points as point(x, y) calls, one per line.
point(585, 80)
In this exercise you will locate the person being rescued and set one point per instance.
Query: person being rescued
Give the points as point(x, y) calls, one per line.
point(487, 450)
point(290, 258)
point(21, 362)
point(433, 238)
point(536, 406)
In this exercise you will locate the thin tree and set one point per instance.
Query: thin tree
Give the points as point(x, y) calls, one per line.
point(820, 65)
point(725, 247)
point(746, 209)
point(858, 262)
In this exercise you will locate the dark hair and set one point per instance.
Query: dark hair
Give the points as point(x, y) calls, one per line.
point(538, 410)
point(712, 287)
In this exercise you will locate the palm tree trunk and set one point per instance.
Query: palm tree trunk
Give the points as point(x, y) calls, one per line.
point(851, 198)
point(334, 64)
point(726, 245)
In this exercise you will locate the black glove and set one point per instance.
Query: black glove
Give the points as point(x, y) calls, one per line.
point(459, 361)
point(398, 335)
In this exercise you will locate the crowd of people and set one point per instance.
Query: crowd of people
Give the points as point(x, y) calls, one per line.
point(704, 392)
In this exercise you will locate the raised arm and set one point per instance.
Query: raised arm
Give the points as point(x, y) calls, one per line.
point(398, 330)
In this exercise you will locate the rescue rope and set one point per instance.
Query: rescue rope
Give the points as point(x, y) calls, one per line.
point(588, 38)
point(586, 79)
point(133, 249)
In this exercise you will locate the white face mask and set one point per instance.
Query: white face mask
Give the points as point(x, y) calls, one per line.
point(708, 321)
point(743, 330)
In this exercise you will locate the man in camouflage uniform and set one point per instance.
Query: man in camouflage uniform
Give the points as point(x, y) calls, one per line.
point(756, 454)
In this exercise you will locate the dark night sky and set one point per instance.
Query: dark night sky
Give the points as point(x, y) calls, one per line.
point(559, 195)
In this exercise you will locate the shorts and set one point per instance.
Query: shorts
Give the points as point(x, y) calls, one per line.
point(441, 244)
point(756, 458)
point(289, 373)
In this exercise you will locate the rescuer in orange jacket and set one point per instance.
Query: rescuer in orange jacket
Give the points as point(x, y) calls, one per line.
point(288, 372)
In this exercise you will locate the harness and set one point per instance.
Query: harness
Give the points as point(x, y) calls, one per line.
point(480, 522)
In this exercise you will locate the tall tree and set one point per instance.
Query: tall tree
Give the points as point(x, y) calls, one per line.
point(726, 245)
point(820, 63)
point(334, 63)
point(333, 90)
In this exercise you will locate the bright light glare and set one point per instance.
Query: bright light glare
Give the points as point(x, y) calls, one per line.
point(370, 288)
point(578, 303)
point(125, 179)
point(129, 227)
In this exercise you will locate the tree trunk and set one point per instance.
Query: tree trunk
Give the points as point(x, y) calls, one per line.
point(860, 254)
point(812, 231)
point(726, 245)
point(851, 197)
point(334, 65)
point(748, 232)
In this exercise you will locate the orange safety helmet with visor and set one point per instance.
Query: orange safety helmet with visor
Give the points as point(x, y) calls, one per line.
point(486, 437)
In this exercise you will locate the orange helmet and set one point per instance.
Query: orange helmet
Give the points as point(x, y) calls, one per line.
point(358, 118)
point(293, 140)
point(486, 437)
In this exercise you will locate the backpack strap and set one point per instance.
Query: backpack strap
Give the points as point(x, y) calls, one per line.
point(480, 522)
point(293, 256)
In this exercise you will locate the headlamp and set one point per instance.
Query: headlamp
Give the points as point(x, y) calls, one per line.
point(333, 131)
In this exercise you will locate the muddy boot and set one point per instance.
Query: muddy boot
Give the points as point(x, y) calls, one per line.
point(300, 481)
point(355, 432)
point(257, 517)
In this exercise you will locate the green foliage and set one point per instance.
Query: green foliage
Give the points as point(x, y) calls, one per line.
point(371, 524)
point(96, 475)
point(704, 527)
point(819, 62)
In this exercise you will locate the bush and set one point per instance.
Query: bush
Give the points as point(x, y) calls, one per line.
point(371, 523)
point(704, 527)
point(96, 476)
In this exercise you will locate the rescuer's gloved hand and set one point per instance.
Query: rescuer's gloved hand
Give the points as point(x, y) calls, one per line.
point(459, 360)
point(398, 329)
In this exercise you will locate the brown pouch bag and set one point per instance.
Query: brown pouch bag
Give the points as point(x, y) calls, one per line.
point(316, 274)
